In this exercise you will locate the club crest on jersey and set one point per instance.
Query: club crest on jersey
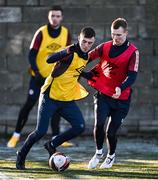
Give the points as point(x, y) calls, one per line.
point(54, 46)
point(80, 69)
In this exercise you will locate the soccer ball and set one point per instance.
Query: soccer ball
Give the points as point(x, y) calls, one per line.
point(59, 162)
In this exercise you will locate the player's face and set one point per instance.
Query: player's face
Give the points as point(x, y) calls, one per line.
point(85, 43)
point(118, 35)
point(55, 18)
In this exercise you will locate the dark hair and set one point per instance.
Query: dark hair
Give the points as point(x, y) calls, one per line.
point(56, 8)
point(88, 32)
point(119, 22)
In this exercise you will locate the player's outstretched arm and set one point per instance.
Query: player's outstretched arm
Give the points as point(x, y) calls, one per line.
point(61, 54)
point(57, 56)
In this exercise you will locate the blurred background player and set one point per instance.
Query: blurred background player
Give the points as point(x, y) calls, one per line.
point(47, 39)
point(112, 77)
point(59, 93)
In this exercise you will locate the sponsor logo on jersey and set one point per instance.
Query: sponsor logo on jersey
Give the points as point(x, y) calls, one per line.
point(54, 46)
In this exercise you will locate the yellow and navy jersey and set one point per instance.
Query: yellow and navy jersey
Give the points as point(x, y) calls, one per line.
point(63, 81)
point(48, 45)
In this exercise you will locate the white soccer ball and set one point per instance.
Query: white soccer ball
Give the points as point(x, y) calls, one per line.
point(59, 162)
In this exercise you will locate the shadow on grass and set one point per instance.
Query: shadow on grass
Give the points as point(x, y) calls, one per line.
point(76, 174)
point(139, 156)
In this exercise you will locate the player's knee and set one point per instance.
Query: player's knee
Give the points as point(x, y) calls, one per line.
point(82, 128)
point(99, 125)
point(40, 133)
point(79, 129)
point(31, 100)
point(110, 134)
point(34, 137)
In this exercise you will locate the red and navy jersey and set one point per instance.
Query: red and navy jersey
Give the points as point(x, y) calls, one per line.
point(113, 68)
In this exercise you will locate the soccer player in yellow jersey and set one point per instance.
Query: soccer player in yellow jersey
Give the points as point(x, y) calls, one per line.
point(59, 93)
point(47, 39)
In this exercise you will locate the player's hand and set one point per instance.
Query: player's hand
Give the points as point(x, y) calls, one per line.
point(117, 93)
point(39, 80)
point(95, 72)
point(87, 75)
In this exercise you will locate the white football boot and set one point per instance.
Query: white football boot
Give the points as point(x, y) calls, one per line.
point(108, 162)
point(94, 161)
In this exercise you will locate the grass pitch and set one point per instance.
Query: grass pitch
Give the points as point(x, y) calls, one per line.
point(134, 160)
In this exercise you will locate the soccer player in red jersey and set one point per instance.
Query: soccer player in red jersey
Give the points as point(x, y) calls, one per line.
point(112, 77)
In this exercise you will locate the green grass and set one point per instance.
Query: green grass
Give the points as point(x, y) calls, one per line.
point(135, 159)
point(142, 167)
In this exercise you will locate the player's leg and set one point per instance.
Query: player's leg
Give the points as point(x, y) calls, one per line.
point(55, 125)
point(46, 109)
point(55, 121)
point(117, 117)
point(73, 115)
point(101, 109)
point(33, 95)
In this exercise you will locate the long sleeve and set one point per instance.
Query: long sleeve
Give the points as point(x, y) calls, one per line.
point(131, 77)
point(32, 59)
point(34, 48)
point(132, 71)
point(68, 39)
point(57, 56)
point(96, 52)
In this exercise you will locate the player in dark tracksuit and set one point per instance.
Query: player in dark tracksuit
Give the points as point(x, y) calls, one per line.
point(47, 39)
point(112, 77)
point(59, 93)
